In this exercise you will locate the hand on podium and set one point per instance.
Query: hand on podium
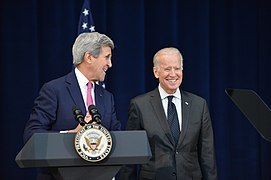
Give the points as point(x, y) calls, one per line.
point(87, 119)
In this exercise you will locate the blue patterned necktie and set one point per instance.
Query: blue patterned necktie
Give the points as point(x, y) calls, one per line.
point(173, 120)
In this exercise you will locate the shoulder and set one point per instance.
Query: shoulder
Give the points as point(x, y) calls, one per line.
point(60, 82)
point(101, 91)
point(192, 96)
point(146, 96)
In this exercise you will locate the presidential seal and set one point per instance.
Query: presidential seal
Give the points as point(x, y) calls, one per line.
point(93, 142)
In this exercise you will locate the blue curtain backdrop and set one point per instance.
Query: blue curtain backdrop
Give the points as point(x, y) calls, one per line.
point(225, 44)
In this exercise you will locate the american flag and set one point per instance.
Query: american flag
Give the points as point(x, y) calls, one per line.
point(86, 23)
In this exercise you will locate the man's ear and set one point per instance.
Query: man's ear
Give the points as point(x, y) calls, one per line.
point(155, 72)
point(88, 57)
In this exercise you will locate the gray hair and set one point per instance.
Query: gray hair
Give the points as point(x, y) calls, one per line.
point(91, 42)
point(165, 51)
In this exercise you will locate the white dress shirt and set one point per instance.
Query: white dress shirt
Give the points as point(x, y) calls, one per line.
point(82, 81)
point(177, 100)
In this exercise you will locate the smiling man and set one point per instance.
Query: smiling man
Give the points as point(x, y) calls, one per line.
point(178, 126)
point(52, 110)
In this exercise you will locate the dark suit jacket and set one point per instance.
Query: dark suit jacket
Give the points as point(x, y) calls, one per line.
point(52, 110)
point(192, 158)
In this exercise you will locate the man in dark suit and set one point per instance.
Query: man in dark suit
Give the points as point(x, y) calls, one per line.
point(52, 110)
point(188, 151)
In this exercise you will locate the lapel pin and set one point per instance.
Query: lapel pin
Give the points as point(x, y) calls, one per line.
point(186, 103)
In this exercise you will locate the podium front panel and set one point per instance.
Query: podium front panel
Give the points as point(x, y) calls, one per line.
point(57, 150)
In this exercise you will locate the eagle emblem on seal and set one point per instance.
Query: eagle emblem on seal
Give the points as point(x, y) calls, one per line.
point(92, 143)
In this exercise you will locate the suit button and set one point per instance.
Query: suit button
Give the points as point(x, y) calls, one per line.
point(177, 152)
point(173, 174)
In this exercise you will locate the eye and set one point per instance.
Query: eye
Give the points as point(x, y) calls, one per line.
point(177, 69)
point(107, 57)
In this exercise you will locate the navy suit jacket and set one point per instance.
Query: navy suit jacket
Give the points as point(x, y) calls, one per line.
point(52, 110)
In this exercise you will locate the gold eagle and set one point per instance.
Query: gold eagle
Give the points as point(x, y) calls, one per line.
point(91, 146)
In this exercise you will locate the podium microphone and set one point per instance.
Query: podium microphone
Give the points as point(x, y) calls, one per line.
point(78, 115)
point(96, 116)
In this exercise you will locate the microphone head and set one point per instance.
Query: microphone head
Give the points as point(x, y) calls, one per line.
point(96, 116)
point(92, 108)
point(78, 115)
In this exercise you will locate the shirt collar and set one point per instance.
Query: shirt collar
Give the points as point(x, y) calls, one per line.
point(82, 80)
point(164, 94)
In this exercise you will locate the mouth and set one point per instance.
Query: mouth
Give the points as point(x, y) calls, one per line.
point(172, 80)
point(105, 69)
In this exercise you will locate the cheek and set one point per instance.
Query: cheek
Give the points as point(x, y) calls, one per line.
point(100, 64)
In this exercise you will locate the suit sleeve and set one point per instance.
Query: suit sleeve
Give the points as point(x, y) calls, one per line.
point(43, 113)
point(206, 147)
point(134, 117)
point(129, 172)
point(115, 124)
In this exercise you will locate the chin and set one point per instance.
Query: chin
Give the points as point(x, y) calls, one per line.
point(173, 89)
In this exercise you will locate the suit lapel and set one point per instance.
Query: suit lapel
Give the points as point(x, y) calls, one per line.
point(157, 106)
point(99, 99)
point(75, 92)
point(186, 104)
